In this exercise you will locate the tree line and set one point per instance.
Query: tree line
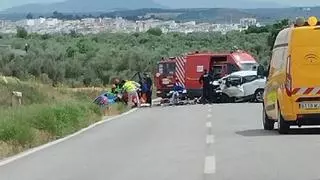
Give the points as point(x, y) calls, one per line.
point(96, 59)
point(68, 16)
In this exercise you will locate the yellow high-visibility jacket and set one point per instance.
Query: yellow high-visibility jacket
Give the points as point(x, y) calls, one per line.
point(131, 86)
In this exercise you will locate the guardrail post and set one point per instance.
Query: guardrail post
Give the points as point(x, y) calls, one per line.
point(16, 98)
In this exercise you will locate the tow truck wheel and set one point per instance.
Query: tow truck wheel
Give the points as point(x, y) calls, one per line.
point(283, 126)
point(268, 124)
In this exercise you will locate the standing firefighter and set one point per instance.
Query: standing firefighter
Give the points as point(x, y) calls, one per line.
point(143, 91)
point(149, 84)
point(205, 80)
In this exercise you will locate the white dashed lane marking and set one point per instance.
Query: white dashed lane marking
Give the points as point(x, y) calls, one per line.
point(210, 161)
point(210, 165)
point(210, 139)
point(208, 124)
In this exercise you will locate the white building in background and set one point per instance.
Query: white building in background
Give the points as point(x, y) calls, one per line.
point(96, 25)
point(190, 23)
point(42, 20)
point(141, 26)
point(89, 20)
point(52, 22)
point(246, 22)
point(2, 23)
point(30, 22)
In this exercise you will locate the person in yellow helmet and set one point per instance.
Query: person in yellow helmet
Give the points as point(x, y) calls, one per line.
point(131, 88)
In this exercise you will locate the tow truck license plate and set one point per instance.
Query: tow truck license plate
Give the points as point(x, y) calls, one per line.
point(309, 105)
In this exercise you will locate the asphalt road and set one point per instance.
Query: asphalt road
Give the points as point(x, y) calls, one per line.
point(219, 142)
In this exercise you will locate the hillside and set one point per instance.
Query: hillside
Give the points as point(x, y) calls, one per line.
point(84, 6)
point(214, 15)
point(217, 15)
point(221, 15)
point(267, 14)
point(238, 4)
point(105, 5)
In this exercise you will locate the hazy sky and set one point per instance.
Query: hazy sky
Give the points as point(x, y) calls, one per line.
point(9, 3)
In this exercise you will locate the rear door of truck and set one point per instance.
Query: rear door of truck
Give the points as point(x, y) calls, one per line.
point(195, 65)
point(305, 67)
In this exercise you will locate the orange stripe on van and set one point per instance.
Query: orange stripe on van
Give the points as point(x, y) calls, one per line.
point(306, 91)
point(295, 91)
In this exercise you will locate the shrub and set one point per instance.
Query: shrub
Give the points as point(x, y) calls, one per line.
point(58, 119)
point(155, 31)
point(22, 32)
point(15, 131)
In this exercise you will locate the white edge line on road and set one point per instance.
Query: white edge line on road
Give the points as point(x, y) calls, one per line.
point(210, 165)
point(208, 124)
point(210, 139)
point(42, 147)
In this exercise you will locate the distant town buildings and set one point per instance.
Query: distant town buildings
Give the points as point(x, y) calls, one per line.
point(97, 25)
point(246, 22)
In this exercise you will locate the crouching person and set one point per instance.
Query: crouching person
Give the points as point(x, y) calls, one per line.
point(104, 101)
point(131, 88)
point(177, 89)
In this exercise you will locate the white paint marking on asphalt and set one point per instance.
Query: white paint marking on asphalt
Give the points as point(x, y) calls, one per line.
point(42, 147)
point(210, 139)
point(210, 165)
point(209, 116)
point(209, 110)
point(209, 124)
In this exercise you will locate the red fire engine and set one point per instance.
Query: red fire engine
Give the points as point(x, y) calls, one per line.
point(189, 68)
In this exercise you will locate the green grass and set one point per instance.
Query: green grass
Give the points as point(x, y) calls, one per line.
point(46, 114)
point(121, 107)
point(19, 125)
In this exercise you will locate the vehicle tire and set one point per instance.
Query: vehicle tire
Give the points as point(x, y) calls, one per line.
point(283, 126)
point(225, 98)
point(268, 124)
point(258, 96)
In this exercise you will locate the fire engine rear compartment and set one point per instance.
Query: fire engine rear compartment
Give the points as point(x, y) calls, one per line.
point(219, 64)
point(197, 64)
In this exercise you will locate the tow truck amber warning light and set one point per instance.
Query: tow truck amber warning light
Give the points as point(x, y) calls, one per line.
point(313, 21)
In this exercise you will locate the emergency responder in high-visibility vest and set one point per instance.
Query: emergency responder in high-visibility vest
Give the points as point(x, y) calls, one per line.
point(131, 88)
